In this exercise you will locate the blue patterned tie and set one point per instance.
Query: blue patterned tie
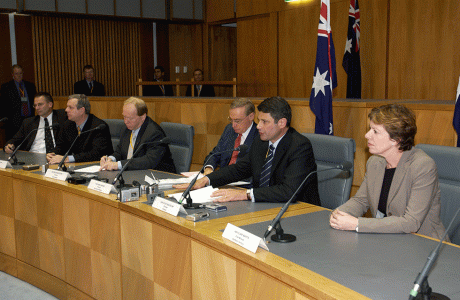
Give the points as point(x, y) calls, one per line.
point(266, 168)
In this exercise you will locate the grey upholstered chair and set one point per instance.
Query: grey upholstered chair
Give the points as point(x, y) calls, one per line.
point(447, 161)
point(115, 126)
point(335, 185)
point(181, 145)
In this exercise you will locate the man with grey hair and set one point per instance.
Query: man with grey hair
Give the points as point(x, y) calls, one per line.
point(241, 130)
point(90, 146)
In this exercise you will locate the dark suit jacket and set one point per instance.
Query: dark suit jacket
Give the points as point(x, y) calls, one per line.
point(226, 142)
point(413, 203)
point(81, 87)
point(151, 156)
point(155, 90)
point(206, 91)
point(90, 146)
point(29, 124)
point(293, 161)
point(11, 105)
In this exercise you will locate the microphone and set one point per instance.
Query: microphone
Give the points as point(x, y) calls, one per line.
point(61, 165)
point(421, 282)
point(287, 238)
point(3, 119)
point(186, 193)
point(13, 155)
point(164, 140)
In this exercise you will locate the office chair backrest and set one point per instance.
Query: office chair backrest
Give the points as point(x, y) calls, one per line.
point(181, 145)
point(115, 127)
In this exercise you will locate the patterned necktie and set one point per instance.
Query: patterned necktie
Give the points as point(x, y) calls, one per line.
point(266, 168)
point(131, 147)
point(235, 153)
point(79, 130)
point(48, 138)
point(199, 91)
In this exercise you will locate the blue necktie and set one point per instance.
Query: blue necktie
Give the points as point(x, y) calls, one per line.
point(266, 168)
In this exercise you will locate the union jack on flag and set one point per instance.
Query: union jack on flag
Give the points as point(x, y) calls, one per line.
point(325, 76)
point(351, 60)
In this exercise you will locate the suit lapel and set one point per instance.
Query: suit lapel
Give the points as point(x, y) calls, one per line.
point(281, 149)
point(376, 189)
point(400, 173)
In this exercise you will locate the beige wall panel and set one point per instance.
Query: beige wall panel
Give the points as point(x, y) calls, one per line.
point(115, 109)
point(100, 109)
point(150, 106)
point(25, 204)
point(163, 293)
point(7, 236)
point(432, 128)
point(27, 243)
point(136, 245)
point(8, 265)
point(252, 284)
point(299, 296)
point(49, 209)
point(167, 112)
point(143, 289)
point(194, 114)
point(303, 119)
point(253, 52)
point(78, 267)
point(170, 257)
point(105, 230)
point(7, 200)
point(42, 280)
point(423, 61)
point(106, 276)
point(217, 10)
point(76, 219)
point(223, 58)
point(75, 294)
point(216, 118)
point(199, 148)
point(51, 251)
point(257, 7)
point(220, 269)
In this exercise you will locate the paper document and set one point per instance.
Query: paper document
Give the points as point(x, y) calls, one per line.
point(198, 196)
point(168, 183)
point(91, 169)
point(239, 183)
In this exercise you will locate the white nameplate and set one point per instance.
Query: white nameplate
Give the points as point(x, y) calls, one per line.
point(102, 187)
point(5, 164)
point(168, 206)
point(56, 174)
point(149, 180)
point(243, 238)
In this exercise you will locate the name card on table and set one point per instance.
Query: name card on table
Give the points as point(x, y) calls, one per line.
point(244, 238)
point(168, 206)
point(5, 164)
point(56, 174)
point(102, 187)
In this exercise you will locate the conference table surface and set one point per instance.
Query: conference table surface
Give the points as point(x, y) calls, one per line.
point(377, 266)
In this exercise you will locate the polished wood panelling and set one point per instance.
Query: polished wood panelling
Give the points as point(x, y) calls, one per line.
point(223, 57)
point(217, 10)
point(62, 46)
point(5, 50)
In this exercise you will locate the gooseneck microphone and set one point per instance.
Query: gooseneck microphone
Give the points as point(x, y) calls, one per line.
point(280, 236)
point(61, 165)
point(119, 176)
point(186, 193)
point(421, 282)
point(13, 155)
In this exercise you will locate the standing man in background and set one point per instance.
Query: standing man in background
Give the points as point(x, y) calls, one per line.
point(89, 86)
point(17, 99)
point(201, 90)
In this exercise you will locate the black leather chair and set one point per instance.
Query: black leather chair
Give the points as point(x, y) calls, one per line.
point(115, 126)
point(181, 145)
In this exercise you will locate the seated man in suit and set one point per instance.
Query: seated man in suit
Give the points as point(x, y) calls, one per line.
point(200, 90)
point(40, 141)
point(279, 160)
point(17, 100)
point(139, 129)
point(89, 86)
point(158, 90)
point(91, 145)
point(241, 130)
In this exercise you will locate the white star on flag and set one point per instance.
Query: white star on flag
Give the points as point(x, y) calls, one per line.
point(319, 82)
point(458, 90)
point(348, 46)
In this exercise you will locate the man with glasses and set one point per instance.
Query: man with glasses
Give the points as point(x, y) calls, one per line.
point(241, 130)
point(43, 139)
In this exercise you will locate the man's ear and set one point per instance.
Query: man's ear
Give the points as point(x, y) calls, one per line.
point(282, 122)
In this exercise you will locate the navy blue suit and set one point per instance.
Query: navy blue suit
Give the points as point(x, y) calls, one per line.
point(226, 142)
point(292, 162)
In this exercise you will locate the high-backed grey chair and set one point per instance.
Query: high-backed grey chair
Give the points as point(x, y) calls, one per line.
point(115, 126)
point(334, 186)
point(447, 161)
point(181, 145)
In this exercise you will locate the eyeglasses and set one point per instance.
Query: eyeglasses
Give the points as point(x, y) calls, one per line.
point(38, 105)
point(237, 121)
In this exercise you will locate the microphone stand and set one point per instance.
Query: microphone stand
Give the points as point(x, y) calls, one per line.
point(186, 193)
point(421, 282)
point(13, 155)
point(282, 237)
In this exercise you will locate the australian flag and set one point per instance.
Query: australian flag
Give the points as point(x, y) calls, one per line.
point(351, 61)
point(325, 76)
point(456, 122)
